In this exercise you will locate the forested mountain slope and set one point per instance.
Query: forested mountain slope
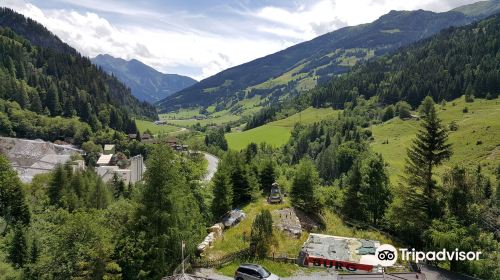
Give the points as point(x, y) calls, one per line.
point(457, 61)
point(48, 77)
point(146, 83)
point(34, 32)
point(302, 66)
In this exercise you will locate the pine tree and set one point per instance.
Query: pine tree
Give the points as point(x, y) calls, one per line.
point(36, 103)
point(57, 185)
point(53, 102)
point(303, 193)
point(18, 253)
point(168, 213)
point(428, 150)
point(352, 206)
point(251, 152)
point(13, 207)
point(487, 189)
point(375, 192)
point(459, 187)
point(223, 194)
point(267, 176)
point(416, 203)
point(118, 186)
point(261, 236)
point(34, 251)
point(21, 96)
point(243, 182)
point(99, 195)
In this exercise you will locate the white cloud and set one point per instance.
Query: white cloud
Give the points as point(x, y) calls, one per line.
point(328, 15)
point(200, 45)
point(166, 50)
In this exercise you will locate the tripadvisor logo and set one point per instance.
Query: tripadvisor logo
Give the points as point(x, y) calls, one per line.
point(387, 255)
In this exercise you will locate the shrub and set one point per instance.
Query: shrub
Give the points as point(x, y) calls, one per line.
point(261, 236)
point(453, 126)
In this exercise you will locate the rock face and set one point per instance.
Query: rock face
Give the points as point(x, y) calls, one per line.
point(31, 157)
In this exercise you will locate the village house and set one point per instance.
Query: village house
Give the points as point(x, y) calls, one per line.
point(108, 166)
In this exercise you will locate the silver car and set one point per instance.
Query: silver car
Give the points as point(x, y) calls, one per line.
point(253, 272)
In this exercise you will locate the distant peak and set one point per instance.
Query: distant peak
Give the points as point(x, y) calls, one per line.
point(104, 56)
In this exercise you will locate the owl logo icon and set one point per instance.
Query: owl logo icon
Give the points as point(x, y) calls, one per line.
point(387, 255)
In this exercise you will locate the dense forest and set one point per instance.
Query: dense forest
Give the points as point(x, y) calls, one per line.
point(457, 61)
point(49, 82)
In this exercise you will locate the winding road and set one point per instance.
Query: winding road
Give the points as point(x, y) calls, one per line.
point(213, 163)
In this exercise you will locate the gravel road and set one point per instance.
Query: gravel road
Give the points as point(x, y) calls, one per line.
point(213, 162)
point(212, 274)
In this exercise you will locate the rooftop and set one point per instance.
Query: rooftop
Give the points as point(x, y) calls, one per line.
point(338, 248)
point(109, 147)
point(104, 159)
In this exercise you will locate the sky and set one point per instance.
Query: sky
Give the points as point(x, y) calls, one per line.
point(200, 38)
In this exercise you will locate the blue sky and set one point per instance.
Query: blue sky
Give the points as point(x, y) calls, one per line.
point(200, 38)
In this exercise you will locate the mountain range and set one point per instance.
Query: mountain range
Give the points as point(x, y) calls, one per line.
point(301, 67)
point(146, 83)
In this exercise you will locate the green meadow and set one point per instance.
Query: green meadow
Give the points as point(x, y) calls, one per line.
point(143, 125)
point(277, 133)
point(476, 141)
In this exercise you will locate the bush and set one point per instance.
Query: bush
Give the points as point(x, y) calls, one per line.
point(453, 126)
point(261, 237)
point(388, 113)
point(403, 109)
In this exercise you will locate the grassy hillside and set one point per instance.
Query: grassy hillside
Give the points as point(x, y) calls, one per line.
point(188, 117)
point(143, 125)
point(277, 133)
point(477, 139)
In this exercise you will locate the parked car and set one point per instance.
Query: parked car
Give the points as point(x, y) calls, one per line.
point(253, 272)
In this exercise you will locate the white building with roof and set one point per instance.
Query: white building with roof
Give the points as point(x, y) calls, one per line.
point(104, 160)
point(106, 169)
